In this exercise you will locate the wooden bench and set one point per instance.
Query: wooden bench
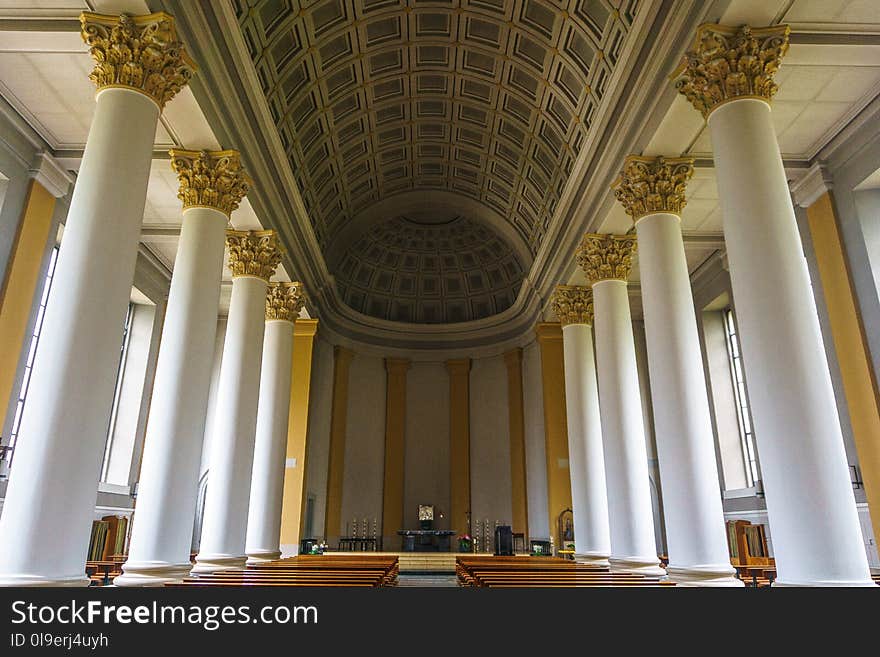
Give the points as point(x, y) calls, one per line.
point(308, 570)
point(508, 572)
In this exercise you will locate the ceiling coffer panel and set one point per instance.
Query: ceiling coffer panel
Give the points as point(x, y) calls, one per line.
point(491, 99)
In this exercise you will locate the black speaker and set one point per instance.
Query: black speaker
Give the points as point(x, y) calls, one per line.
point(503, 541)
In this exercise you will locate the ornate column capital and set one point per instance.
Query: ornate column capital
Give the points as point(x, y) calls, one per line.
point(210, 179)
point(284, 301)
point(253, 253)
point(648, 185)
point(726, 63)
point(573, 304)
point(137, 52)
point(606, 257)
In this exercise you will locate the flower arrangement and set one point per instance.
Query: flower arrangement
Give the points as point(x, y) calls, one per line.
point(465, 543)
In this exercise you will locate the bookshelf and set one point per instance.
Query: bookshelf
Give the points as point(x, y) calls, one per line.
point(747, 544)
point(108, 538)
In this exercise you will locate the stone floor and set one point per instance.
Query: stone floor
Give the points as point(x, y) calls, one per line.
point(427, 580)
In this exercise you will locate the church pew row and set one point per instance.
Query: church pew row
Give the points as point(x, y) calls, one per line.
point(507, 572)
point(307, 570)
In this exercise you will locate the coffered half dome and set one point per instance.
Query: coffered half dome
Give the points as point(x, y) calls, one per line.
point(427, 268)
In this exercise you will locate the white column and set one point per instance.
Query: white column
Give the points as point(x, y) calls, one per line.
point(623, 433)
point(695, 531)
point(50, 500)
point(267, 482)
point(817, 539)
point(586, 459)
point(652, 191)
point(162, 531)
point(283, 304)
point(573, 306)
point(224, 526)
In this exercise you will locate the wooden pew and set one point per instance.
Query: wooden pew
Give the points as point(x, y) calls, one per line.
point(506, 572)
point(308, 570)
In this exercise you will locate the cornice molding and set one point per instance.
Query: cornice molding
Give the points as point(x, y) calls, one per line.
point(815, 182)
point(47, 171)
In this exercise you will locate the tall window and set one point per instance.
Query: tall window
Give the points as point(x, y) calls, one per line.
point(32, 350)
point(747, 436)
point(116, 394)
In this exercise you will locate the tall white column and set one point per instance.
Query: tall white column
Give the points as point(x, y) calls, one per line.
point(211, 186)
point(606, 260)
point(652, 190)
point(817, 540)
point(586, 459)
point(283, 304)
point(50, 501)
point(253, 258)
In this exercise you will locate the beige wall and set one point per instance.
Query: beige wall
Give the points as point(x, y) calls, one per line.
point(490, 442)
point(427, 443)
point(364, 443)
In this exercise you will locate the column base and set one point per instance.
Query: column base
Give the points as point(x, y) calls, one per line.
point(637, 565)
point(827, 583)
point(38, 581)
point(211, 563)
point(592, 559)
point(720, 575)
point(262, 556)
point(151, 573)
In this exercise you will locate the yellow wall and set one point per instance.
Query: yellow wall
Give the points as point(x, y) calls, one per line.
point(516, 417)
point(297, 428)
point(338, 421)
point(21, 283)
point(847, 332)
point(555, 427)
point(459, 443)
point(395, 436)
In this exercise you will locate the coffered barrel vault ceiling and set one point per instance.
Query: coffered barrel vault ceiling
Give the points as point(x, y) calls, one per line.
point(488, 99)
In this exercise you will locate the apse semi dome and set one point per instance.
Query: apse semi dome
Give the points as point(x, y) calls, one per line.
point(413, 270)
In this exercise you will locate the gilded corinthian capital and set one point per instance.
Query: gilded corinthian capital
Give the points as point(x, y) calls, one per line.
point(726, 63)
point(284, 301)
point(573, 304)
point(253, 253)
point(210, 179)
point(606, 257)
point(653, 184)
point(137, 52)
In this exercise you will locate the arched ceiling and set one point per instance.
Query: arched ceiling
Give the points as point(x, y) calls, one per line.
point(429, 268)
point(490, 99)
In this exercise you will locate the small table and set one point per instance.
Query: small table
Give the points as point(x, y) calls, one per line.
point(426, 540)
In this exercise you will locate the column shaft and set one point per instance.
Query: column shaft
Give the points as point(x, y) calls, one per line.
point(586, 458)
point(695, 533)
point(267, 480)
point(58, 454)
point(816, 535)
point(232, 449)
point(168, 488)
point(623, 433)
point(297, 433)
point(555, 429)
